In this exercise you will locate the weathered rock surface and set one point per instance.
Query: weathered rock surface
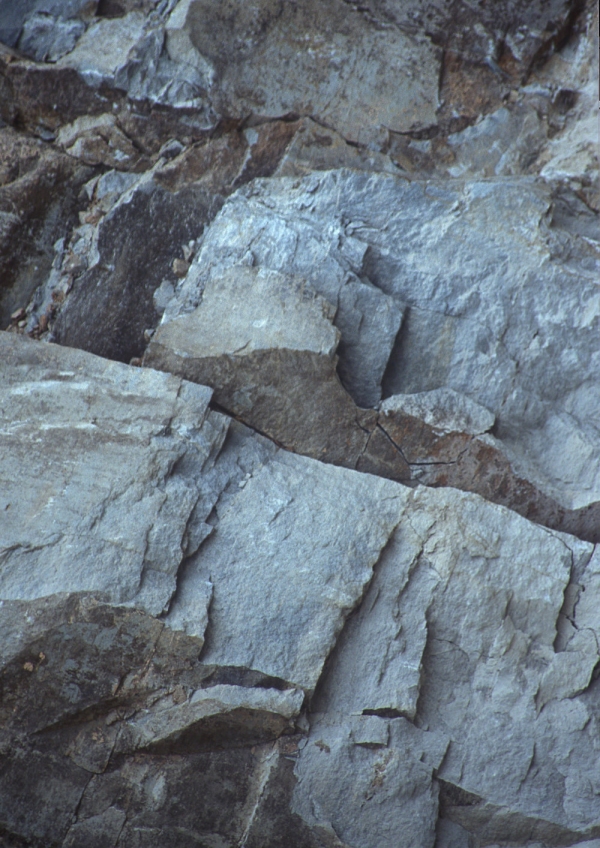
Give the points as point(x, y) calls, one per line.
point(369, 233)
point(39, 200)
point(413, 321)
point(276, 347)
point(153, 434)
point(455, 615)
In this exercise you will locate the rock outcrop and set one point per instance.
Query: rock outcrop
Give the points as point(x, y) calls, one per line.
point(299, 441)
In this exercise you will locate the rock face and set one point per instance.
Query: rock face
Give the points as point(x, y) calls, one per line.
point(323, 572)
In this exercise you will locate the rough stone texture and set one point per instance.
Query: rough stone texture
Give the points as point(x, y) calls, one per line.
point(444, 439)
point(39, 200)
point(370, 232)
point(477, 329)
point(305, 582)
point(120, 280)
point(276, 346)
point(113, 449)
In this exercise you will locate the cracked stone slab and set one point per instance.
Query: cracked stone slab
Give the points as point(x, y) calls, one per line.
point(370, 780)
point(468, 596)
point(115, 499)
point(314, 534)
point(265, 342)
point(444, 439)
point(509, 702)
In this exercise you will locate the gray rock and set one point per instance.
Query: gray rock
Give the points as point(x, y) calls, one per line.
point(46, 39)
point(382, 644)
point(220, 714)
point(310, 60)
point(472, 607)
point(265, 342)
point(368, 791)
point(444, 410)
point(469, 321)
point(317, 532)
point(208, 640)
point(134, 59)
point(28, 23)
point(115, 502)
point(443, 439)
point(330, 259)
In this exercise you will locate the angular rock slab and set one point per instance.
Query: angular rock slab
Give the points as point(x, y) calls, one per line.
point(458, 631)
point(101, 475)
point(278, 59)
point(331, 261)
point(291, 557)
point(481, 268)
point(445, 440)
point(133, 232)
point(266, 344)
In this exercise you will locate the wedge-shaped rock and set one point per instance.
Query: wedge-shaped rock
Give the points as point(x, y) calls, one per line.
point(219, 715)
point(248, 231)
point(444, 439)
point(101, 475)
point(266, 343)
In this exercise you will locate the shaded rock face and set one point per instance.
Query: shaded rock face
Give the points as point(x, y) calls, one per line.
point(324, 571)
point(40, 195)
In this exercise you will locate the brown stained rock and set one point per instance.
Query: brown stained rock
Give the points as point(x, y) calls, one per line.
point(39, 202)
point(266, 344)
point(267, 145)
point(471, 462)
point(267, 348)
point(383, 458)
point(80, 680)
point(44, 97)
point(317, 148)
point(111, 303)
point(470, 89)
point(275, 59)
point(214, 164)
point(100, 141)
